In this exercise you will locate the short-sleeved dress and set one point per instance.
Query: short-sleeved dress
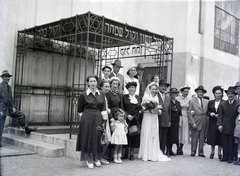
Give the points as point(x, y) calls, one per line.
point(119, 136)
point(184, 129)
point(88, 139)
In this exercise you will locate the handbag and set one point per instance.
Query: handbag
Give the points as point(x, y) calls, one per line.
point(134, 130)
point(104, 138)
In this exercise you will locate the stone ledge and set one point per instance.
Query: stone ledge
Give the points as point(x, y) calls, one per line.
point(39, 147)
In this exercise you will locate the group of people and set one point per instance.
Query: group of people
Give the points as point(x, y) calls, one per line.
point(154, 119)
point(151, 118)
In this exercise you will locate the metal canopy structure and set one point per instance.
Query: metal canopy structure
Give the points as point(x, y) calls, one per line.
point(88, 42)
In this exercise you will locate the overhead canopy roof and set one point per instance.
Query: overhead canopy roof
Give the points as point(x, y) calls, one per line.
point(102, 32)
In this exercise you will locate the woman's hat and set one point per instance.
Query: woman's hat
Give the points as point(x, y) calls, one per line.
point(115, 78)
point(200, 88)
point(106, 66)
point(173, 90)
point(185, 87)
point(237, 85)
point(163, 81)
point(5, 73)
point(129, 68)
point(131, 84)
point(217, 88)
point(118, 63)
point(231, 89)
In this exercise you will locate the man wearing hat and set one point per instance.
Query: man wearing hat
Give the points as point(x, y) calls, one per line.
point(198, 119)
point(226, 123)
point(164, 118)
point(237, 89)
point(7, 107)
point(115, 73)
point(139, 76)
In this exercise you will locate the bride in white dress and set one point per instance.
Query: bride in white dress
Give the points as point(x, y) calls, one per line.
point(149, 140)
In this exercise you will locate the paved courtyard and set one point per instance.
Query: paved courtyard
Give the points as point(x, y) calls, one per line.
point(20, 162)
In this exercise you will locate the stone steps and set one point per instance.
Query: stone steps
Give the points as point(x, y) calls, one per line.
point(40, 147)
point(37, 136)
point(46, 140)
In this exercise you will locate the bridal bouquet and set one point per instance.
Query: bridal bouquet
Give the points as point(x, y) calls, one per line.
point(151, 106)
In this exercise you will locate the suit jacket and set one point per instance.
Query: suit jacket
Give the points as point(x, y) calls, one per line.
point(6, 99)
point(121, 77)
point(165, 118)
point(200, 117)
point(227, 116)
point(212, 120)
point(142, 87)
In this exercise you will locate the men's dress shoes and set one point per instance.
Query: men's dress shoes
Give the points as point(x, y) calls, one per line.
point(202, 155)
point(236, 161)
point(223, 160)
point(29, 130)
point(131, 157)
point(172, 154)
point(229, 161)
point(192, 154)
point(125, 157)
point(219, 157)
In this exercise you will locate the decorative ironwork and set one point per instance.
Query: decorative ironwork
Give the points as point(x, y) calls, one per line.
point(84, 40)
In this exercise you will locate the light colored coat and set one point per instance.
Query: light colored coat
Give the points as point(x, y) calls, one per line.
point(200, 117)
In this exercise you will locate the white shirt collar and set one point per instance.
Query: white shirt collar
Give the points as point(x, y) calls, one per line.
point(89, 91)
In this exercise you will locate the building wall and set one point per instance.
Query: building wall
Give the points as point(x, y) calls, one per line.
point(195, 60)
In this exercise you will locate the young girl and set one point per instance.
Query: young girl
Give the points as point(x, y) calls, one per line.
point(119, 135)
point(237, 134)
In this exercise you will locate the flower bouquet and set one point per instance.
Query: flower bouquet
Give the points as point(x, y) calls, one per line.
point(151, 106)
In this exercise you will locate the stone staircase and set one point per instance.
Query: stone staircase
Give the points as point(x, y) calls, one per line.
point(50, 145)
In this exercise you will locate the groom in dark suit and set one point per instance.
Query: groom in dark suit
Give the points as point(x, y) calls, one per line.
point(226, 123)
point(7, 107)
point(198, 119)
point(164, 118)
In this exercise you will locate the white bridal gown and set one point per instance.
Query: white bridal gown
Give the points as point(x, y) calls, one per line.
point(149, 140)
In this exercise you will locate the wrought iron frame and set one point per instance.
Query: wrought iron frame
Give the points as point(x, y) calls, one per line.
point(87, 36)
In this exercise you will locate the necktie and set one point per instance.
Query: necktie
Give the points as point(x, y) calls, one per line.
point(201, 103)
point(140, 79)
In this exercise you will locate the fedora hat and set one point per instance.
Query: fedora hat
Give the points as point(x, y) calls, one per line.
point(5, 73)
point(217, 88)
point(200, 88)
point(106, 66)
point(185, 87)
point(163, 81)
point(237, 85)
point(173, 90)
point(231, 89)
point(131, 84)
point(140, 66)
point(118, 63)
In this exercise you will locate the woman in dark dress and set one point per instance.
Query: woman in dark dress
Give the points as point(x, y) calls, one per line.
point(92, 110)
point(114, 100)
point(132, 106)
point(175, 117)
point(213, 134)
point(114, 97)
